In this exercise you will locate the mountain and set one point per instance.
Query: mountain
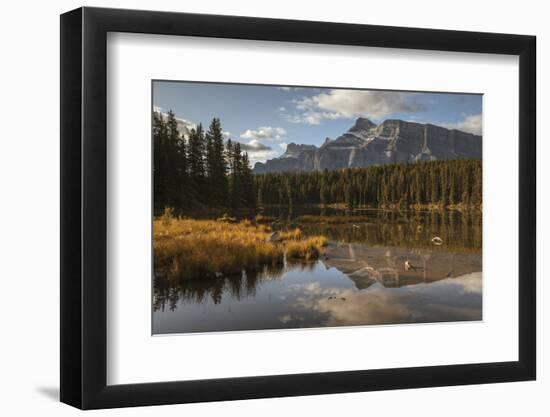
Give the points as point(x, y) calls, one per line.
point(366, 143)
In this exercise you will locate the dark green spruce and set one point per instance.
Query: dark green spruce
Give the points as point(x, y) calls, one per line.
point(436, 183)
point(201, 171)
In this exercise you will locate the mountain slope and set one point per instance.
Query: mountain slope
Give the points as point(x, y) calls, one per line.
point(366, 143)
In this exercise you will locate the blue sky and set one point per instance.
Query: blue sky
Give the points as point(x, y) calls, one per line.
point(267, 118)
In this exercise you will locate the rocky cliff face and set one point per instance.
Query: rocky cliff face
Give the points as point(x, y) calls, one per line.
point(366, 143)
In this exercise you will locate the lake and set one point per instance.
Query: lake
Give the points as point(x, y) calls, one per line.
point(362, 279)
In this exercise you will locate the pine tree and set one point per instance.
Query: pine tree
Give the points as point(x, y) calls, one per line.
point(323, 192)
point(216, 164)
point(196, 160)
point(400, 184)
point(183, 200)
point(234, 161)
point(247, 183)
point(260, 198)
point(200, 169)
point(172, 162)
point(160, 163)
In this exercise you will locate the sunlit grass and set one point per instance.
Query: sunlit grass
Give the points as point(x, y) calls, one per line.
point(189, 249)
point(307, 249)
point(292, 234)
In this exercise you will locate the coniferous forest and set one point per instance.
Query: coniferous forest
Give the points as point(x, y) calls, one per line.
point(438, 183)
point(206, 171)
point(199, 171)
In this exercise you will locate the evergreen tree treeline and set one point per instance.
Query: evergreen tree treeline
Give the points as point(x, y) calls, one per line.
point(203, 171)
point(200, 170)
point(443, 183)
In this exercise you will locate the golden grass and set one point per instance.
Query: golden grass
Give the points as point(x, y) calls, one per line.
point(308, 249)
point(189, 249)
point(293, 234)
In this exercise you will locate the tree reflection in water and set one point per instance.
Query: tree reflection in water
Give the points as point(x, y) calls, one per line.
point(459, 231)
point(199, 291)
point(363, 270)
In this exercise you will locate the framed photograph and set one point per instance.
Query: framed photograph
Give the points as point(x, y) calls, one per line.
point(256, 208)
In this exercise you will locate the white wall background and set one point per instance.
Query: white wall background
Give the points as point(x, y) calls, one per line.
point(29, 178)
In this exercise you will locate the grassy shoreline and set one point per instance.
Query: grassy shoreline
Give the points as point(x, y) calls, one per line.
point(387, 207)
point(186, 248)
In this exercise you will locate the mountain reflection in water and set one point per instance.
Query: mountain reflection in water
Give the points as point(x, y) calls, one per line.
point(361, 280)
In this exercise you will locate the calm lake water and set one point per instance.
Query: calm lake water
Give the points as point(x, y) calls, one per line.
point(361, 280)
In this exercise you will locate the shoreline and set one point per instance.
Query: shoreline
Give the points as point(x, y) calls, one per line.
point(214, 213)
point(432, 207)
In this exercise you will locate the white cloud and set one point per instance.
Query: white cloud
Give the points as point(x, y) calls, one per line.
point(311, 117)
point(257, 151)
point(290, 88)
point(184, 125)
point(472, 124)
point(261, 156)
point(254, 145)
point(282, 109)
point(283, 145)
point(264, 133)
point(339, 104)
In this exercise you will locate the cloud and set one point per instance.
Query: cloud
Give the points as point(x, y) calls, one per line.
point(184, 125)
point(283, 145)
point(257, 151)
point(347, 104)
point(264, 133)
point(379, 305)
point(313, 117)
point(470, 283)
point(260, 156)
point(472, 124)
point(254, 145)
point(290, 88)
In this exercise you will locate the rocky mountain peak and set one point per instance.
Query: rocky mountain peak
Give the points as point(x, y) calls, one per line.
point(294, 149)
point(366, 143)
point(362, 124)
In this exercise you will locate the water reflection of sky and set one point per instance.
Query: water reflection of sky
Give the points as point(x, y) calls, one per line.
point(451, 299)
point(318, 295)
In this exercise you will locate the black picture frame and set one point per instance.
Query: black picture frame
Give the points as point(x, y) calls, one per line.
point(84, 207)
